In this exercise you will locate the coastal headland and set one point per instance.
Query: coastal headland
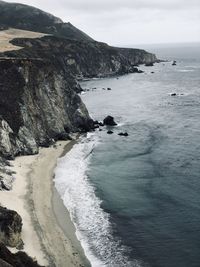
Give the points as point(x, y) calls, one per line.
point(41, 62)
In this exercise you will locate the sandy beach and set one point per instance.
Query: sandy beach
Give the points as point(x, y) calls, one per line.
point(48, 233)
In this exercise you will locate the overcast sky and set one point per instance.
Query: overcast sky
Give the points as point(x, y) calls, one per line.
point(129, 22)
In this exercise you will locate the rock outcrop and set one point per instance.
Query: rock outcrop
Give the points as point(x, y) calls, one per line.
point(20, 259)
point(38, 104)
point(10, 228)
point(109, 120)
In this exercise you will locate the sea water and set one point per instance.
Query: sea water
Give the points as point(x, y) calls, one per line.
point(135, 201)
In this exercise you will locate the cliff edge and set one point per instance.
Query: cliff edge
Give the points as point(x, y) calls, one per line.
point(41, 60)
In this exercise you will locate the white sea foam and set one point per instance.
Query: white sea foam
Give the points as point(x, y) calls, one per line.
point(185, 70)
point(193, 66)
point(92, 224)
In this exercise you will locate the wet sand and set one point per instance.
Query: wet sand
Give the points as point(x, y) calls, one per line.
point(48, 233)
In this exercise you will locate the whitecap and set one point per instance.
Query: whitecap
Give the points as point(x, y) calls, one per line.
point(185, 70)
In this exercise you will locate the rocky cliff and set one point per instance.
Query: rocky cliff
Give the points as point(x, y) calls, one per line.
point(88, 59)
point(38, 97)
point(38, 105)
point(39, 101)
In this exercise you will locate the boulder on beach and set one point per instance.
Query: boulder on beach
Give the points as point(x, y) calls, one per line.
point(109, 132)
point(10, 228)
point(174, 63)
point(109, 120)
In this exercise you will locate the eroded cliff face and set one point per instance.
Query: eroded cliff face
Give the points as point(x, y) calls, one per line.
point(86, 59)
point(38, 104)
point(138, 56)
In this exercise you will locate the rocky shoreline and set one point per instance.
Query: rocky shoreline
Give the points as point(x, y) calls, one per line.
point(39, 101)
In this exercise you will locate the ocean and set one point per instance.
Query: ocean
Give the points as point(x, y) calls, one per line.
point(135, 201)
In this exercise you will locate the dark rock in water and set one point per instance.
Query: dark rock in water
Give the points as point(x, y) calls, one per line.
point(174, 63)
point(109, 89)
point(152, 72)
point(100, 130)
point(150, 64)
point(109, 132)
point(101, 124)
point(97, 124)
point(20, 259)
point(123, 134)
point(10, 228)
point(135, 70)
point(173, 94)
point(109, 120)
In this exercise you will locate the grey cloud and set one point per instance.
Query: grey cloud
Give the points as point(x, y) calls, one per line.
point(129, 21)
point(112, 5)
point(88, 5)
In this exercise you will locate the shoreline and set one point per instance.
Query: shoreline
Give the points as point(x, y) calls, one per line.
point(48, 232)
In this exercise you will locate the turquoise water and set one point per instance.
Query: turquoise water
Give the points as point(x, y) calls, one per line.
point(135, 200)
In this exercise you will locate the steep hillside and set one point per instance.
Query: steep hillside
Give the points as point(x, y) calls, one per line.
point(33, 19)
point(86, 59)
point(39, 101)
point(38, 104)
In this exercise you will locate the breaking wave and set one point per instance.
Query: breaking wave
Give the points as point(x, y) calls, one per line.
point(93, 227)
